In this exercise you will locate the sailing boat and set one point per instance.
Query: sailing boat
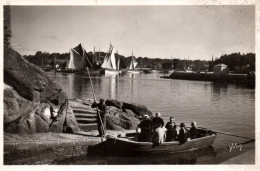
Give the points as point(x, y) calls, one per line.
point(109, 65)
point(132, 66)
point(78, 61)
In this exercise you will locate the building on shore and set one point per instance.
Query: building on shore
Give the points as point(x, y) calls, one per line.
point(221, 69)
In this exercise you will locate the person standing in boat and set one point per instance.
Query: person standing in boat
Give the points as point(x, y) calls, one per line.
point(171, 133)
point(101, 121)
point(183, 134)
point(157, 121)
point(193, 130)
point(146, 127)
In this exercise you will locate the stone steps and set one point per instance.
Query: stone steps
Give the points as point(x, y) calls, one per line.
point(86, 120)
point(86, 117)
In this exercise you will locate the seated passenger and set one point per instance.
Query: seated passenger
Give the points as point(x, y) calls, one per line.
point(183, 134)
point(146, 127)
point(159, 136)
point(193, 131)
point(171, 133)
point(157, 121)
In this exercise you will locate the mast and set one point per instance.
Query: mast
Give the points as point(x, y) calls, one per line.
point(99, 55)
point(118, 62)
point(94, 58)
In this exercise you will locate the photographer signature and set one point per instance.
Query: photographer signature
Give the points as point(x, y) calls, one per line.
point(235, 145)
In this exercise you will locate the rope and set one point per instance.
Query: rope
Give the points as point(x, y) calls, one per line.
point(224, 133)
point(102, 126)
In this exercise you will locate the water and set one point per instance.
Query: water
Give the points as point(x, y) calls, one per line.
point(223, 107)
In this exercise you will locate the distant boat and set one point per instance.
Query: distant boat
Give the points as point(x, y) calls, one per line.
point(132, 66)
point(78, 62)
point(109, 65)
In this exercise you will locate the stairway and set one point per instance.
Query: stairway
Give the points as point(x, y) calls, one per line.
point(86, 117)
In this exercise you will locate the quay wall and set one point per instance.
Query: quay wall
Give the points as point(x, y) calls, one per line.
point(228, 78)
point(46, 151)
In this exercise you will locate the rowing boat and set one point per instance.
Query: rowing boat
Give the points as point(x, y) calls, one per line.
point(130, 146)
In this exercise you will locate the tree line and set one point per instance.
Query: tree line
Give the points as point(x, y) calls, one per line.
point(236, 62)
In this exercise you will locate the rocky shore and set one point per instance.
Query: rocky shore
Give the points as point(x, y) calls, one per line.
point(40, 123)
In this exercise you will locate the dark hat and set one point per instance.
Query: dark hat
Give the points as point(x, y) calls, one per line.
point(182, 125)
point(102, 100)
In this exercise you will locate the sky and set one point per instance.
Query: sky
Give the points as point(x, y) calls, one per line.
point(185, 32)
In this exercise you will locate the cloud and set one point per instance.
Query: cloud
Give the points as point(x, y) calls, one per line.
point(49, 37)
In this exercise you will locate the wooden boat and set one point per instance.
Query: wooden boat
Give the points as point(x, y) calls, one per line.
point(129, 146)
point(132, 66)
point(109, 66)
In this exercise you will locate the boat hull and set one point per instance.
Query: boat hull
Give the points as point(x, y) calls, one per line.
point(110, 72)
point(133, 71)
point(125, 146)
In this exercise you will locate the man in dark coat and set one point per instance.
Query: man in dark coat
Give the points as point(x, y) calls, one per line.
point(101, 116)
point(183, 134)
point(193, 130)
point(171, 133)
point(146, 127)
point(157, 121)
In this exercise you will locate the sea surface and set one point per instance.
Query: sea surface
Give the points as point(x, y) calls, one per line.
point(218, 106)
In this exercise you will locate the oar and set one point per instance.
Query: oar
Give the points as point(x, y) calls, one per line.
point(103, 129)
point(223, 133)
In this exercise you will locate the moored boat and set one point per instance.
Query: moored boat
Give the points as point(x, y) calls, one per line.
point(132, 66)
point(109, 66)
point(129, 146)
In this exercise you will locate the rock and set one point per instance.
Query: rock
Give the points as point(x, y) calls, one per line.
point(57, 124)
point(41, 125)
point(130, 113)
point(65, 121)
point(37, 87)
point(71, 125)
point(15, 106)
point(27, 123)
point(138, 109)
point(118, 120)
point(31, 98)
point(115, 103)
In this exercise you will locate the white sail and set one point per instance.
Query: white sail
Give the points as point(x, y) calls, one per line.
point(71, 62)
point(118, 64)
point(77, 61)
point(113, 59)
point(133, 63)
point(110, 60)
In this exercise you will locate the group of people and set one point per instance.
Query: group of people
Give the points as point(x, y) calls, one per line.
point(154, 130)
point(151, 130)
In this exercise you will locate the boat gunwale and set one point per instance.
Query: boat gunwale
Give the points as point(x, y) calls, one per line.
point(127, 140)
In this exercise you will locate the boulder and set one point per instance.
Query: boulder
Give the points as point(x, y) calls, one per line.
point(70, 125)
point(138, 109)
point(15, 106)
point(29, 81)
point(115, 103)
point(31, 98)
point(27, 123)
point(119, 120)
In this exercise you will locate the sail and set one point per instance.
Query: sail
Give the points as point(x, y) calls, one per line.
point(110, 60)
point(113, 59)
point(77, 61)
point(107, 63)
point(71, 62)
point(118, 64)
point(87, 59)
point(133, 63)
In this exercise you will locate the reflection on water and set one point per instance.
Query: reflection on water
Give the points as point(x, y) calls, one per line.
point(217, 106)
point(188, 157)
